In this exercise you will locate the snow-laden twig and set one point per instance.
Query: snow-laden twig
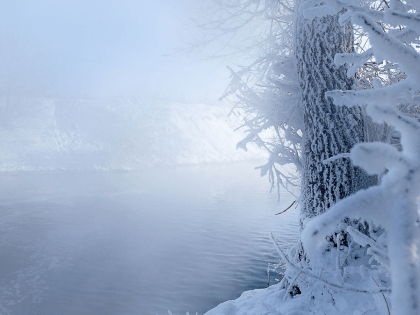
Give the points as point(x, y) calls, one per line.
point(299, 270)
point(383, 296)
point(336, 157)
point(392, 205)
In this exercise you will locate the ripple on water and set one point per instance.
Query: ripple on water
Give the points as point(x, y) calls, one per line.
point(90, 243)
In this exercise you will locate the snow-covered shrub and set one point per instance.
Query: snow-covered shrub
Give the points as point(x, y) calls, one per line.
point(392, 205)
point(264, 92)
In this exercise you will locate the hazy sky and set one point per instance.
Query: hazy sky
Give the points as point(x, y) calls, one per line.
point(106, 48)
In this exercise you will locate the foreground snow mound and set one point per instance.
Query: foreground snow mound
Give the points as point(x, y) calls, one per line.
point(333, 284)
point(261, 301)
point(272, 301)
point(46, 134)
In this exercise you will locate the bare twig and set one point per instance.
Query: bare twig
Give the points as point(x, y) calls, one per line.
point(239, 127)
point(286, 208)
point(383, 295)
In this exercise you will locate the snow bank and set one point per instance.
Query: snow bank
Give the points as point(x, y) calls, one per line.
point(271, 301)
point(46, 134)
point(340, 288)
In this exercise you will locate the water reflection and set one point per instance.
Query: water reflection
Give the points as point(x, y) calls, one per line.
point(179, 238)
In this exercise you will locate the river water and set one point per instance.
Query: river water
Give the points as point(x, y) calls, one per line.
point(181, 238)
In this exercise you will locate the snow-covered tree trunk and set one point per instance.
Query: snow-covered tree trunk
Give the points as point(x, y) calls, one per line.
point(329, 130)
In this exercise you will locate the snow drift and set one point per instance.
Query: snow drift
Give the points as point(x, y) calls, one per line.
point(47, 134)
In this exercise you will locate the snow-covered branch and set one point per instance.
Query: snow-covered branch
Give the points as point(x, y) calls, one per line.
point(392, 205)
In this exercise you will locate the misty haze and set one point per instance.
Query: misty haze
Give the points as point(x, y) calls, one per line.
point(217, 157)
point(121, 188)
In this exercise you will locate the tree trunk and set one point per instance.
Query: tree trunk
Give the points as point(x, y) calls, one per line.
point(329, 130)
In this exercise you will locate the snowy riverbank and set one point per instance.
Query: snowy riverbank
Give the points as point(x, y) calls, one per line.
point(316, 297)
point(52, 134)
point(271, 301)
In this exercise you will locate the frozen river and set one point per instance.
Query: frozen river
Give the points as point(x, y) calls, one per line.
point(183, 238)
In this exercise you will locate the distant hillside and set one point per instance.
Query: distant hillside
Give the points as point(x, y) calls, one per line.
point(46, 134)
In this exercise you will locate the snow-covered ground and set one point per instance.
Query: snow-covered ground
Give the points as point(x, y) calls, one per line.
point(271, 301)
point(51, 134)
point(352, 291)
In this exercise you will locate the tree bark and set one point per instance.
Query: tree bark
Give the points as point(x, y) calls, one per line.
point(329, 130)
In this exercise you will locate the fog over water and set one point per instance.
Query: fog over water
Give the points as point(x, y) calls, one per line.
point(121, 189)
point(184, 238)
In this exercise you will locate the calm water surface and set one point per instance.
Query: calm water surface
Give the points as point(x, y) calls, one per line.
point(183, 238)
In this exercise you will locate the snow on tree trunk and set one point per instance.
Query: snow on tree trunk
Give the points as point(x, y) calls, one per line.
point(393, 205)
point(329, 130)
